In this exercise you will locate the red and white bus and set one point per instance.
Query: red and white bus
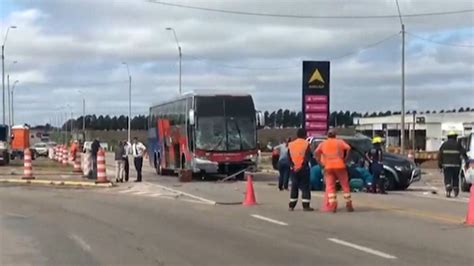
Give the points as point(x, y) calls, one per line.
point(208, 133)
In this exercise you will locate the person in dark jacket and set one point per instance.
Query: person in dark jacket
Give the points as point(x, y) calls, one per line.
point(119, 162)
point(375, 158)
point(449, 159)
point(95, 146)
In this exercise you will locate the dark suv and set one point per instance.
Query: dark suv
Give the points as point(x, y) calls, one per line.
point(400, 172)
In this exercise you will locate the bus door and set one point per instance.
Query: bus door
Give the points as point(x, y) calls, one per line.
point(164, 135)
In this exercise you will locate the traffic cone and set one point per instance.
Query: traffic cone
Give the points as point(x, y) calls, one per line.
point(101, 174)
point(28, 165)
point(325, 206)
point(470, 208)
point(249, 199)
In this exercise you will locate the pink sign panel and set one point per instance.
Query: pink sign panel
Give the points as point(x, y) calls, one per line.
point(312, 133)
point(316, 125)
point(316, 108)
point(316, 99)
point(319, 117)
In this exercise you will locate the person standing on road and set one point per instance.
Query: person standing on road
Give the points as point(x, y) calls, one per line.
point(449, 159)
point(95, 146)
point(283, 165)
point(126, 164)
point(138, 151)
point(375, 158)
point(119, 162)
point(299, 156)
point(331, 155)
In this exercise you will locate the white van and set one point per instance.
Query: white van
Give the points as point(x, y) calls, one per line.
point(468, 143)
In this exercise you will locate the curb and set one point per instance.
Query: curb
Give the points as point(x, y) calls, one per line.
point(56, 183)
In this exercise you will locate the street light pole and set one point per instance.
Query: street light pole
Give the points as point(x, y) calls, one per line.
point(83, 115)
point(13, 90)
point(9, 99)
point(402, 135)
point(3, 69)
point(129, 102)
point(179, 54)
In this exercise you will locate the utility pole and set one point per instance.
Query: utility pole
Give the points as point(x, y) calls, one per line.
point(402, 133)
point(84, 119)
point(8, 93)
point(129, 102)
point(414, 132)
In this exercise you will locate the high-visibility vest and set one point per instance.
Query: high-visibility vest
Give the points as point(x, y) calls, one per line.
point(332, 153)
point(297, 150)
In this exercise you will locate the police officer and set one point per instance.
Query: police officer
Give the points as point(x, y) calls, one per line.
point(299, 157)
point(449, 159)
point(375, 158)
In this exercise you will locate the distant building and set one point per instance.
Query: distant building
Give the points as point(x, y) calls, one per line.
point(430, 129)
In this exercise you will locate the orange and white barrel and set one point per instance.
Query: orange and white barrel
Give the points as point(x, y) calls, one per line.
point(86, 164)
point(64, 157)
point(28, 165)
point(77, 163)
point(101, 174)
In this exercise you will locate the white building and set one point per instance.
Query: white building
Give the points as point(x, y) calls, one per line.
point(430, 129)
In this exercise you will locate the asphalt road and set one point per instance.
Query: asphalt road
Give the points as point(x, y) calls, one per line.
point(140, 224)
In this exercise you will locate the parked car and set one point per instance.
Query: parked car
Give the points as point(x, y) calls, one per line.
point(468, 143)
point(40, 149)
point(400, 172)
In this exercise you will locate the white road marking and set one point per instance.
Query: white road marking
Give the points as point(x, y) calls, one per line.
point(178, 192)
point(363, 249)
point(140, 192)
point(156, 195)
point(83, 244)
point(127, 191)
point(268, 219)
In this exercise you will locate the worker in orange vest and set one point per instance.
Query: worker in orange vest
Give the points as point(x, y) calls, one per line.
point(73, 149)
point(331, 155)
point(299, 157)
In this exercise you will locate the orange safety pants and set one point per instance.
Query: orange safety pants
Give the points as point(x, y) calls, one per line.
point(330, 177)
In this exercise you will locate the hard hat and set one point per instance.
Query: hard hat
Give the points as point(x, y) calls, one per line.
point(376, 140)
point(452, 133)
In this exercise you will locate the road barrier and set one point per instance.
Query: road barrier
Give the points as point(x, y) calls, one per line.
point(86, 164)
point(77, 163)
point(101, 168)
point(28, 166)
point(249, 199)
point(56, 152)
point(64, 156)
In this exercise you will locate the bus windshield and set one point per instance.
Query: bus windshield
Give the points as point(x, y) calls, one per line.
point(225, 123)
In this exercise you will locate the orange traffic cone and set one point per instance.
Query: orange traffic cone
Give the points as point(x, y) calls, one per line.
point(325, 206)
point(470, 208)
point(249, 199)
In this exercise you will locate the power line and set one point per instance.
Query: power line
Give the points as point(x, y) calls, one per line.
point(296, 67)
point(257, 14)
point(365, 47)
point(440, 43)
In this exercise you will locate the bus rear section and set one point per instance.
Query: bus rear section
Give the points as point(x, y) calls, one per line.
point(217, 134)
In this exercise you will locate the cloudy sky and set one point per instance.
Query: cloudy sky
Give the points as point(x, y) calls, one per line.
point(69, 49)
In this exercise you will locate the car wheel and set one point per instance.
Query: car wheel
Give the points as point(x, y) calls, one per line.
point(389, 181)
point(464, 185)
